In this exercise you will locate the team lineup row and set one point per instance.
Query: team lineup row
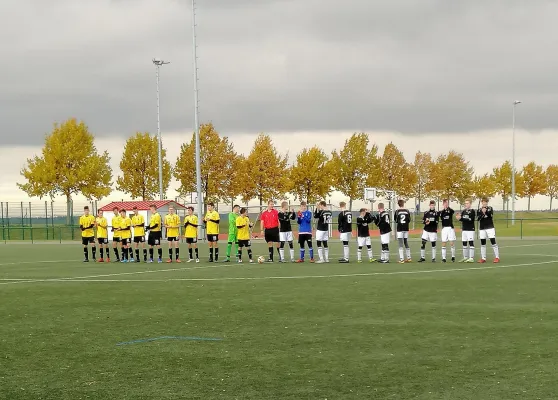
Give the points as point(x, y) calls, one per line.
point(277, 229)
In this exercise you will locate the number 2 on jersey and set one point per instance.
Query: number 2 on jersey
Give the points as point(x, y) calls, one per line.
point(402, 218)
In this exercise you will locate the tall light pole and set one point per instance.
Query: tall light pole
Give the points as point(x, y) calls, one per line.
point(515, 103)
point(196, 121)
point(158, 62)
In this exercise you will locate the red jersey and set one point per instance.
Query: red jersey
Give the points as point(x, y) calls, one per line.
point(270, 219)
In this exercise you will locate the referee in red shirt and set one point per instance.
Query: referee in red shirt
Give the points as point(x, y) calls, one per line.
point(270, 227)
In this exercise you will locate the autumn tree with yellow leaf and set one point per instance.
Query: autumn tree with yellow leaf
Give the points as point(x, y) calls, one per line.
point(483, 186)
point(311, 175)
point(452, 177)
point(267, 171)
point(216, 153)
point(140, 167)
point(422, 167)
point(502, 181)
point(69, 165)
point(395, 173)
point(236, 177)
point(551, 182)
point(533, 181)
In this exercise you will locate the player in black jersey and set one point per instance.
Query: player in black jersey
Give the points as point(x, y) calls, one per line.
point(325, 218)
point(403, 218)
point(345, 227)
point(285, 230)
point(448, 230)
point(363, 234)
point(467, 218)
point(486, 230)
point(383, 223)
point(430, 232)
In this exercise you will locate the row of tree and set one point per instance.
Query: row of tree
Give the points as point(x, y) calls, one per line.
point(70, 164)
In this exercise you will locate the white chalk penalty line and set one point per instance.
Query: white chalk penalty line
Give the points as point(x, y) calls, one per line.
point(432, 271)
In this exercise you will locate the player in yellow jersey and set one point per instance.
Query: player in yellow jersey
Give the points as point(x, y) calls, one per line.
point(212, 220)
point(87, 225)
point(125, 236)
point(138, 223)
point(102, 236)
point(191, 233)
point(172, 224)
point(243, 225)
point(154, 238)
point(115, 224)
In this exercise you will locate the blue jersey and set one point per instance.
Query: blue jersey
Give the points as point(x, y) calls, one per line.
point(305, 221)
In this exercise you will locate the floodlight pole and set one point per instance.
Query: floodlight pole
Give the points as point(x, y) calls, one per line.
point(196, 121)
point(158, 62)
point(515, 103)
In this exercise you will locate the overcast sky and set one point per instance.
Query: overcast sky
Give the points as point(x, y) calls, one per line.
point(398, 68)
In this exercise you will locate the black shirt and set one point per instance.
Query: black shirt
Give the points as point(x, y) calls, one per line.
point(431, 216)
point(345, 221)
point(403, 218)
point(486, 221)
point(362, 225)
point(285, 218)
point(383, 223)
point(324, 219)
point(468, 220)
point(446, 215)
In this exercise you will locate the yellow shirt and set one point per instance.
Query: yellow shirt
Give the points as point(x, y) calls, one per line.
point(125, 223)
point(172, 223)
point(115, 222)
point(86, 221)
point(191, 231)
point(155, 220)
point(212, 228)
point(243, 225)
point(102, 231)
point(138, 230)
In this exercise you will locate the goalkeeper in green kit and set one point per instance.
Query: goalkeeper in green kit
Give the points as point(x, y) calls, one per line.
point(232, 232)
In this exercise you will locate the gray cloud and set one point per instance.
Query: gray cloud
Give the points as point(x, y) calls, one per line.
point(408, 66)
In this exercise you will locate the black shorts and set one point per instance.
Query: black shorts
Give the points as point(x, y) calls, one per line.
point(304, 237)
point(212, 238)
point(125, 242)
point(172, 239)
point(139, 239)
point(272, 235)
point(116, 239)
point(191, 240)
point(88, 240)
point(244, 243)
point(102, 240)
point(154, 238)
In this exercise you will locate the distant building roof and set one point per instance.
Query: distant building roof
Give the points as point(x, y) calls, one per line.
point(141, 205)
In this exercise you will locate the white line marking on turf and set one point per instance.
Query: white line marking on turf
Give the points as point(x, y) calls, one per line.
point(432, 271)
point(36, 262)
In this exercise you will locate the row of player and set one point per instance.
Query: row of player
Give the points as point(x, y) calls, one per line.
point(277, 229)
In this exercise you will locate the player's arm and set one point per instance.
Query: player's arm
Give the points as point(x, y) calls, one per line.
point(316, 213)
point(339, 221)
point(489, 212)
point(308, 217)
point(293, 215)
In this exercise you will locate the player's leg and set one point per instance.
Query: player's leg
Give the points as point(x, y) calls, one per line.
point(301, 244)
point(216, 247)
point(424, 240)
point(445, 235)
point(495, 249)
point(101, 250)
point(169, 241)
point(345, 241)
point(85, 250)
point(310, 248)
point(472, 248)
point(93, 248)
point(407, 247)
point(385, 247)
point(115, 248)
point(291, 245)
point(249, 251)
point(210, 244)
point(360, 243)
point(269, 241)
point(465, 242)
point(433, 239)
point(144, 249)
point(368, 243)
point(483, 236)
point(196, 250)
point(229, 248)
point(239, 252)
point(401, 247)
point(325, 243)
point(177, 250)
point(282, 239)
point(320, 251)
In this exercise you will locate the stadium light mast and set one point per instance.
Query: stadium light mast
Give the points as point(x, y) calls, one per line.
point(196, 121)
point(515, 103)
point(158, 62)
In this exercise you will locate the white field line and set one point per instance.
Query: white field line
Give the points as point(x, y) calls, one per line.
point(432, 271)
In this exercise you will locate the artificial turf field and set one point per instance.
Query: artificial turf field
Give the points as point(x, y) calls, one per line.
point(288, 331)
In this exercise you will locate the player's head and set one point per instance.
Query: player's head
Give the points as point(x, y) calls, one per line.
point(123, 213)
point(445, 203)
point(432, 205)
point(115, 210)
point(401, 203)
point(362, 212)
point(303, 206)
point(323, 205)
point(171, 210)
point(484, 201)
point(342, 205)
point(190, 210)
point(86, 210)
point(153, 208)
point(135, 210)
point(270, 205)
point(467, 204)
point(243, 211)
point(210, 206)
point(380, 206)
point(100, 213)
point(284, 205)
point(236, 208)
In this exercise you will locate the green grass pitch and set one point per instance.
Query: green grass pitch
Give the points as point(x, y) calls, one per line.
point(289, 331)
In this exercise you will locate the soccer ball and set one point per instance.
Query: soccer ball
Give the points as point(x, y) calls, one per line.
point(261, 259)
